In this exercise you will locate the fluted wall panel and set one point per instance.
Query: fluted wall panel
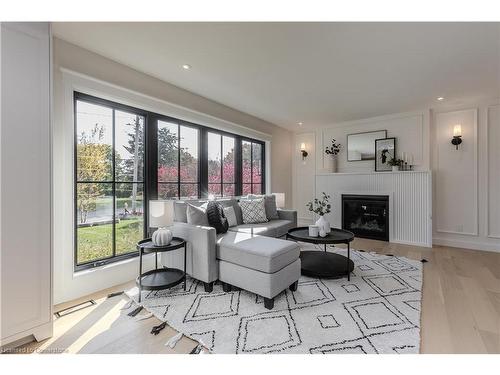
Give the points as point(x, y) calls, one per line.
point(410, 200)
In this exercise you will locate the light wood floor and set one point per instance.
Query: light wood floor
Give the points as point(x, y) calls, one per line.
point(460, 310)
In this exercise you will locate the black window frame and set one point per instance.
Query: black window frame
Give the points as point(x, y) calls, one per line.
point(222, 183)
point(155, 150)
point(150, 173)
point(78, 96)
point(262, 167)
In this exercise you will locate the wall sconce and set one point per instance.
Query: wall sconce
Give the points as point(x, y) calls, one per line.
point(303, 151)
point(457, 135)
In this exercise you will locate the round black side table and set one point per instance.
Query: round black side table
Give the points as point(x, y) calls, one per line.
point(323, 264)
point(164, 277)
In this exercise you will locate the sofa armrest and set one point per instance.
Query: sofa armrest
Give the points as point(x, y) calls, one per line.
point(201, 254)
point(288, 215)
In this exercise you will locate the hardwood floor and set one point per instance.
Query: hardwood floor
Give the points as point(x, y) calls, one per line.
point(460, 310)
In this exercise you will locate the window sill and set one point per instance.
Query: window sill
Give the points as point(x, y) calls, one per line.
point(109, 266)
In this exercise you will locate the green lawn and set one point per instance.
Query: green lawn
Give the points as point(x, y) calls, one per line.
point(96, 242)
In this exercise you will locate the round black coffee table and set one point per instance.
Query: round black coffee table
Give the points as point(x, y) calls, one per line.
point(323, 264)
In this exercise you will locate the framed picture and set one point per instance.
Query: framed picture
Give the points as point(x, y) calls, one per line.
point(385, 150)
point(360, 145)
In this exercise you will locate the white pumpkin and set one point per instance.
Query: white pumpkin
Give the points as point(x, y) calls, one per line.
point(162, 237)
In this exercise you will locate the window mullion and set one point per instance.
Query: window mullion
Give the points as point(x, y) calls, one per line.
point(178, 161)
point(238, 169)
point(251, 167)
point(113, 184)
point(221, 167)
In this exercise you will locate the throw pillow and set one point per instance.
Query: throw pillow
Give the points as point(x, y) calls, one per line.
point(230, 216)
point(254, 211)
point(197, 215)
point(216, 217)
point(270, 203)
point(271, 209)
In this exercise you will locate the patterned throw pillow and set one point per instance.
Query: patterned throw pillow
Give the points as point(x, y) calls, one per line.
point(270, 203)
point(254, 211)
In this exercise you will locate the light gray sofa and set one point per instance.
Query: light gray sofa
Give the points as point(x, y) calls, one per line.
point(248, 256)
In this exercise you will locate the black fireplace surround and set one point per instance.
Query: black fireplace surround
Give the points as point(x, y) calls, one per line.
point(367, 216)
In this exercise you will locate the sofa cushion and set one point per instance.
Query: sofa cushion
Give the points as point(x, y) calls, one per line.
point(197, 215)
point(256, 252)
point(270, 203)
point(216, 217)
point(231, 216)
point(273, 228)
point(254, 211)
point(180, 208)
point(237, 210)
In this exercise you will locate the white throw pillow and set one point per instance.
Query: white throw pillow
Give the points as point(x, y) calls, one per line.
point(197, 215)
point(253, 211)
point(230, 216)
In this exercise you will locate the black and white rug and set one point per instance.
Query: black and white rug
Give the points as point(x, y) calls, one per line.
point(378, 311)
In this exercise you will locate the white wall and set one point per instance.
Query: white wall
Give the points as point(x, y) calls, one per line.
point(304, 177)
point(78, 69)
point(410, 129)
point(25, 183)
point(467, 181)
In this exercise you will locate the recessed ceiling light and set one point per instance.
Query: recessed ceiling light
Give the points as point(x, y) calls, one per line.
point(440, 98)
point(186, 66)
point(300, 123)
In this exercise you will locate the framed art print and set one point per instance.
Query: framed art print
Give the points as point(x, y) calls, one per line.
point(385, 150)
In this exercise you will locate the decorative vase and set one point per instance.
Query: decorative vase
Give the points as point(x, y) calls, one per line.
point(334, 164)
point(322, 232)
point(322, 223)
point(395, 168)
point(162, 237)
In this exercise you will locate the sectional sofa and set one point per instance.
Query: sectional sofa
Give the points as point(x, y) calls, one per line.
point(248, 256)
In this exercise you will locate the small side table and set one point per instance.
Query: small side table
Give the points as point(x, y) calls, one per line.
point(164, 277)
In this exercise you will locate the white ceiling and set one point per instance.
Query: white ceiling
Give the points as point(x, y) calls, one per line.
point(316, 73)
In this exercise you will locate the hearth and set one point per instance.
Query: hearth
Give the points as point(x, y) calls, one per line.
point(367, 216)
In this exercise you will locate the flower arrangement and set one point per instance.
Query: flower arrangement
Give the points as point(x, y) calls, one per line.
point(320, 207)
point(334, 149)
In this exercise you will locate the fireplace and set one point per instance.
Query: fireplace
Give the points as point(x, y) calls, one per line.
point(367, 216)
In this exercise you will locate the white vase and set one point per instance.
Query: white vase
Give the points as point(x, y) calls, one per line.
point(334, 164)
point(322, 223)
point(395, 168)
point(322, 232)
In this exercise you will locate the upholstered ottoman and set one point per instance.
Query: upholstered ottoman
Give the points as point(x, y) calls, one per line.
point(262, 265)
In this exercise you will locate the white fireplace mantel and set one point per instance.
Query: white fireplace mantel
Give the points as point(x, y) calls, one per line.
point(410, 200)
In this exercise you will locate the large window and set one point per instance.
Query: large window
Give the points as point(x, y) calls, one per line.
point(221, 165)
point(125, 156)
point(178, 161)
point(109, 181)
point(252, 170)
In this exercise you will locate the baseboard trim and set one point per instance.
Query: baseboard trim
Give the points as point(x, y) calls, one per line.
point(419, 244)
point(480, 246)
point(39, 333)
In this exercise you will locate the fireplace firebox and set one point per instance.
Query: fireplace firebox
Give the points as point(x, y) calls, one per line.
point(367, 216)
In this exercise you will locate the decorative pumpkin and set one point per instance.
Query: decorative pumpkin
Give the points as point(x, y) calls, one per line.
point(162, 237)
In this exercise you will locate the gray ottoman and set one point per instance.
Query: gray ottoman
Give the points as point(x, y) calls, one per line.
point(262, 265)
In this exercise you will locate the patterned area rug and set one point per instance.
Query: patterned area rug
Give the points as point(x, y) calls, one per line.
point(378, 311)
